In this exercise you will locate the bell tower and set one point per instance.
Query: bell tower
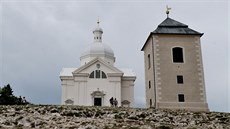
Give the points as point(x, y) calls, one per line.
point(174, 77)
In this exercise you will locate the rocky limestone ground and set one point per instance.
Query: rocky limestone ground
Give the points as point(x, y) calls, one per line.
point(79, 117)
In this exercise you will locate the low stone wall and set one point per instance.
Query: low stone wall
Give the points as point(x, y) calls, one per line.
point(79, 117)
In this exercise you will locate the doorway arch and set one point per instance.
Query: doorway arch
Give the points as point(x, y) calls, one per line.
point(98, 98)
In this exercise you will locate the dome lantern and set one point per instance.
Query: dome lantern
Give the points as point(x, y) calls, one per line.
point(98, 33)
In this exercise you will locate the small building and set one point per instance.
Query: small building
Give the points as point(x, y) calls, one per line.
point(174, 77)
point(97, 79)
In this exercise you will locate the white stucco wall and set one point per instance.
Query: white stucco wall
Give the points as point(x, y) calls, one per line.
point(88, 58)
point(80, 92)
point(80, 87)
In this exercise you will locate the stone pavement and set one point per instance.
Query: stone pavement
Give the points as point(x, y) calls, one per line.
point(81, 117)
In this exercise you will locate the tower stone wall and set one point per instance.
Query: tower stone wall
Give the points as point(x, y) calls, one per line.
point(170, 83)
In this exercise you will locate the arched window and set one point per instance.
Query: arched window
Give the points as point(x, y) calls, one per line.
point(91, 75)
point(103, 75)
point(97, 74)
point(178, 55)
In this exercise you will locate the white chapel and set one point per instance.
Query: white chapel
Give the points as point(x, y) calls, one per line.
point(97, 79)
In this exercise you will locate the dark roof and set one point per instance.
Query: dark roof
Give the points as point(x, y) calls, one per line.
point(168, 22)
point(170, 26)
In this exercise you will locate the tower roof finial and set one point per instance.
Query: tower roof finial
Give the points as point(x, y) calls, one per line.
point(98, 21)
point(167, 10)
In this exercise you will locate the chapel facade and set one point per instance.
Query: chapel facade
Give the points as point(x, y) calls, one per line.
point(174, 77)
point(97, 79)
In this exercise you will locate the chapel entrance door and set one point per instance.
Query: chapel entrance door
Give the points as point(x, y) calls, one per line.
point(98, 98)
point(97, 102)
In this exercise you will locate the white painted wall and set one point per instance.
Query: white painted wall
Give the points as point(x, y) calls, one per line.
point(80, 87)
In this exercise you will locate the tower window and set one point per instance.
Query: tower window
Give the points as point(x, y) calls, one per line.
point(149, 84)
point(181, 97)
point(177, 55)
point(150, 103)
point(180, 79)
point(149, 63)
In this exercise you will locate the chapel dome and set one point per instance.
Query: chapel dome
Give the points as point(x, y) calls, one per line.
point(97, 49)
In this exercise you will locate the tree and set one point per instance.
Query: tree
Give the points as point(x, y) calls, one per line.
point(7, 97)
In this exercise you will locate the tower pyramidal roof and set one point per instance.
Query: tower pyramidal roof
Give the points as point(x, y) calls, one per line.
point(168, 22)
point(171, 26)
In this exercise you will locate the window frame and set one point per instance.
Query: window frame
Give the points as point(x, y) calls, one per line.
point(149, 84)
point(173, 53)
point(150, 103)
point(180, 79)
point(98, 74)
point(149, 61)
point(103, 75)
point(92, 75)
point(181, 98)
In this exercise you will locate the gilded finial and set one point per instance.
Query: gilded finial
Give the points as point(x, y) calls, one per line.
point(167, 10)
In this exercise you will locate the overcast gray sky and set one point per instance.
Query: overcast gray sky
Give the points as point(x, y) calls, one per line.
point(39, 38)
